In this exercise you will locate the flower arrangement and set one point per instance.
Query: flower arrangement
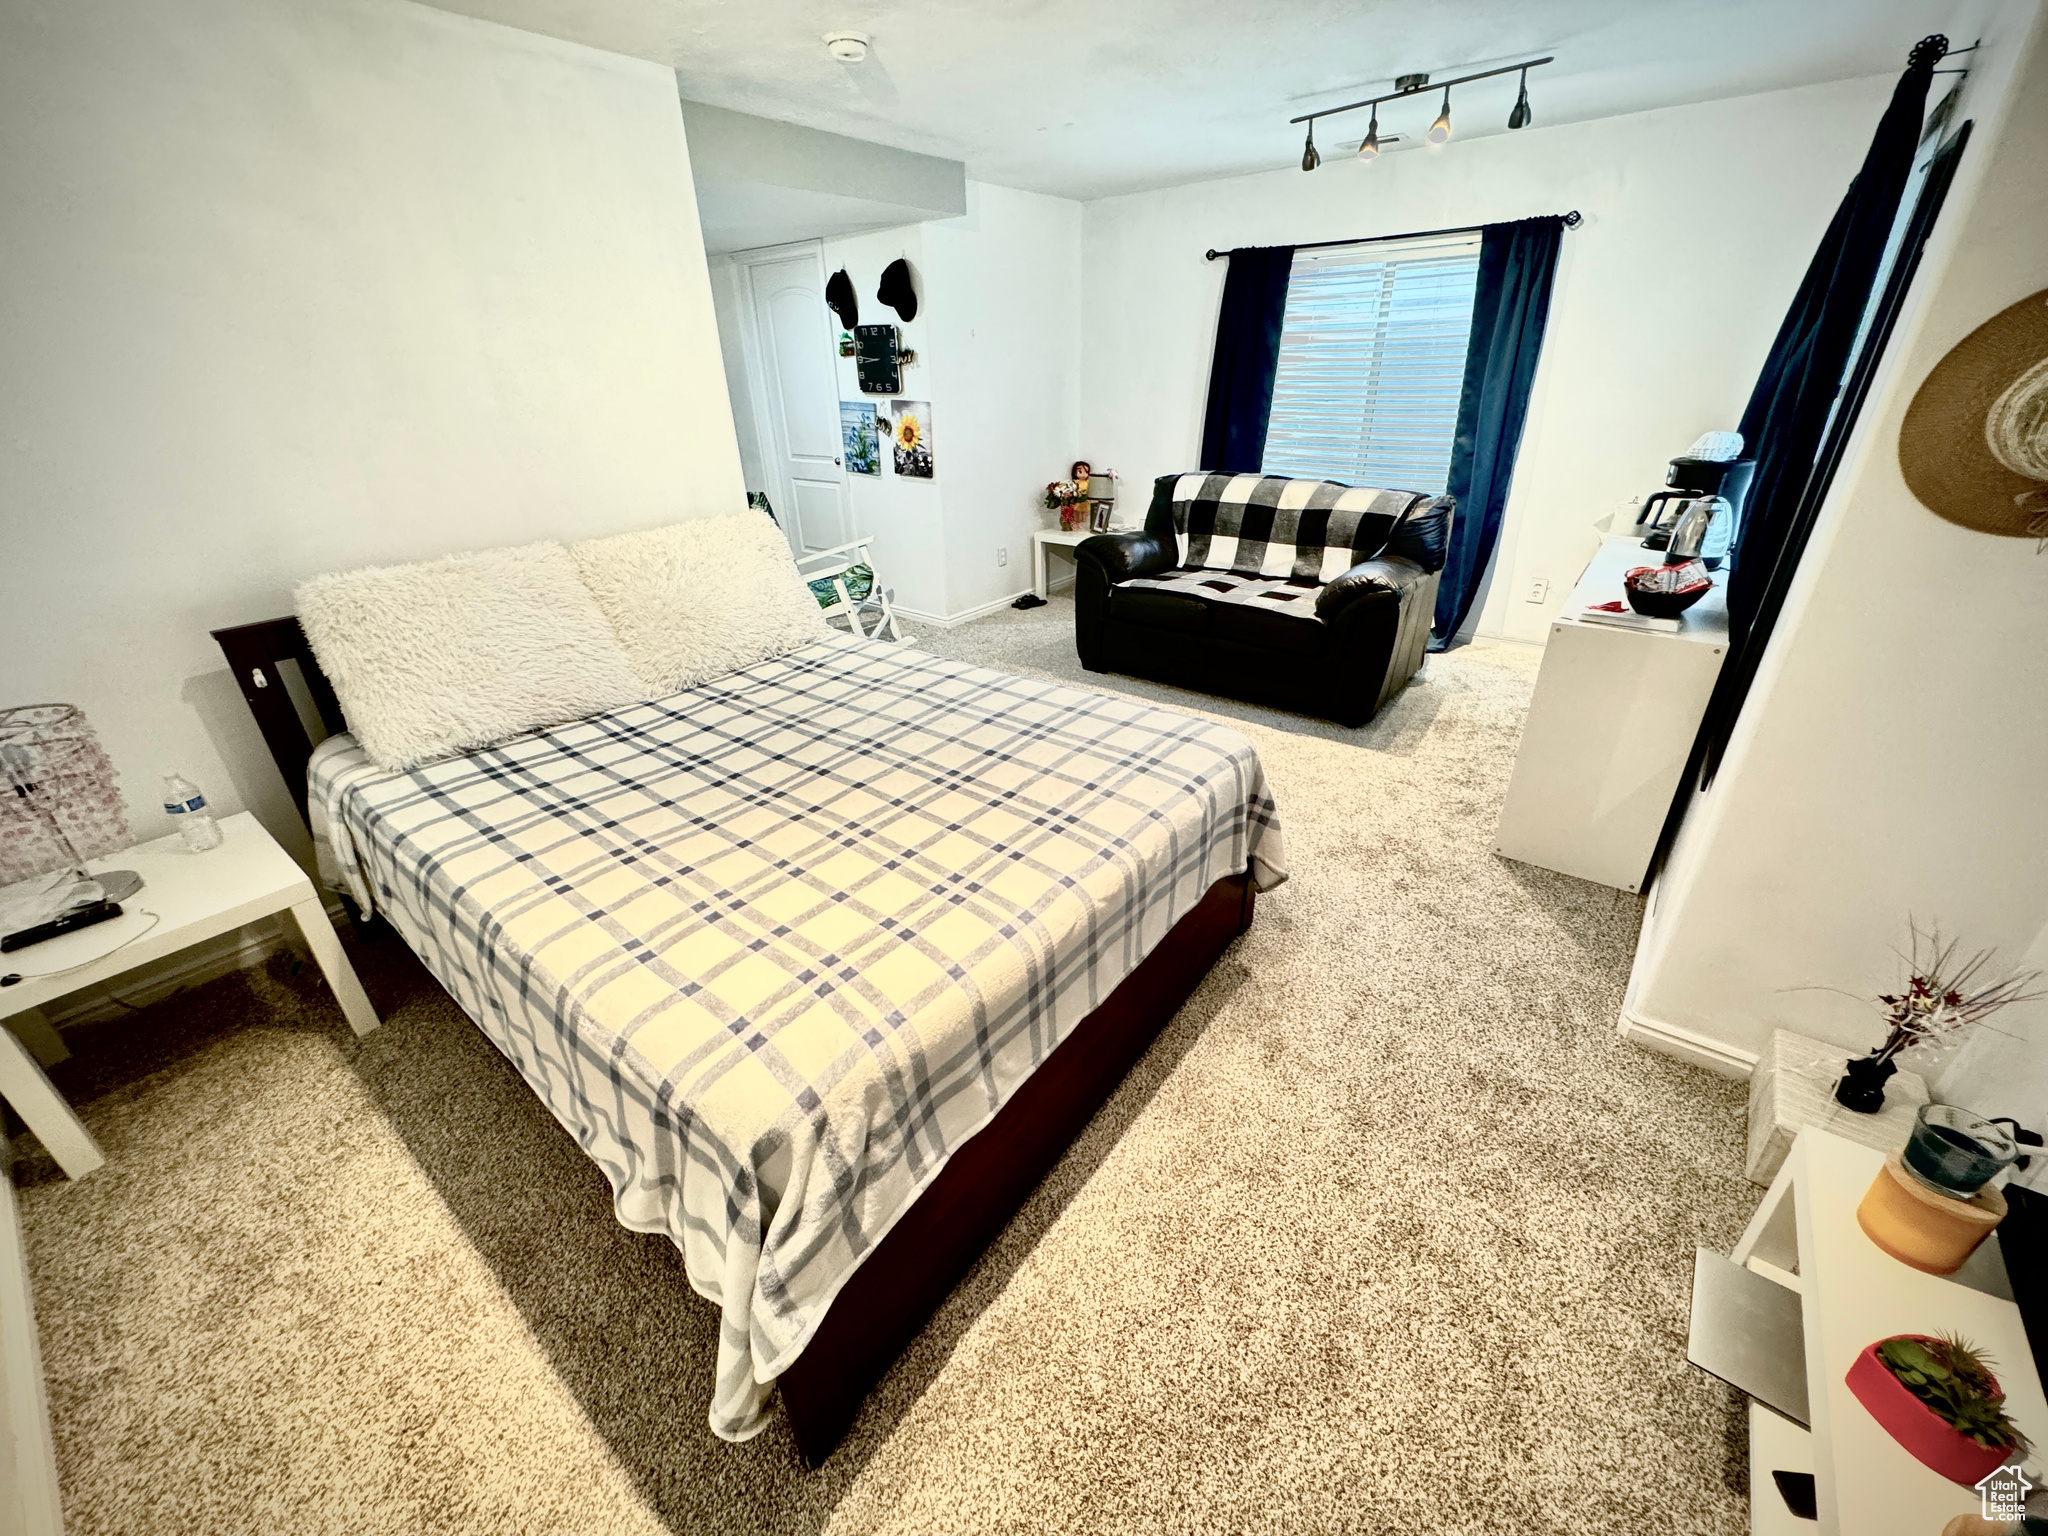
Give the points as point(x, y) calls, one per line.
point(1945, 997)
point(1956, 1384)
point(1069, 500)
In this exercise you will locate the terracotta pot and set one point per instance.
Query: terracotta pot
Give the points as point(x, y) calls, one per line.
point(1931, 1439)
point(1933, 1232)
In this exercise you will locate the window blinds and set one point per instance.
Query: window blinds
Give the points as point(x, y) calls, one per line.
point(1372, 356)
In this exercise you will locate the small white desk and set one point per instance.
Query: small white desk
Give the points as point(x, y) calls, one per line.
point(186, 898)
point(1609, 729)
point(1044, 538)
point(1804, 1236)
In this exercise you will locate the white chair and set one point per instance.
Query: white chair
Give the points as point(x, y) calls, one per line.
point(847, 567)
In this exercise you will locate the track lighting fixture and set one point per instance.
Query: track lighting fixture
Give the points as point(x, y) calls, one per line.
point(1370, 149)
point(1415, 85)
point(1440, 130)
point(1521, 116)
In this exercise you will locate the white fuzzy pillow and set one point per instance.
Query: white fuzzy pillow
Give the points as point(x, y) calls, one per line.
point(452, 654)
point(696, 600)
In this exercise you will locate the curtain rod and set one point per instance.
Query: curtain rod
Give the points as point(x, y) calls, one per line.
point(1571, 220)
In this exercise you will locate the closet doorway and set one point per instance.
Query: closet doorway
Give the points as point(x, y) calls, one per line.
point(793, 391)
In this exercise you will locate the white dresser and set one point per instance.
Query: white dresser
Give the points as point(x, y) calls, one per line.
point(1609, 729)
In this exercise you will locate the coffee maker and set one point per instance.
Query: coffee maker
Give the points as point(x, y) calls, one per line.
point(1706, 488)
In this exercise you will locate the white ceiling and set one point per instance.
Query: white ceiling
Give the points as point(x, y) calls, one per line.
point(1084, 98)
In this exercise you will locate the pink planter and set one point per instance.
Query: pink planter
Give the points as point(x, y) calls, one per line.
point(1933, 1442)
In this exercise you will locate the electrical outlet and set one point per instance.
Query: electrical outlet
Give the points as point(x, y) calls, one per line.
point(1539, 588)
point(1002, 556)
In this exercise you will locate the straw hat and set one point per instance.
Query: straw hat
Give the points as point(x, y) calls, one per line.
point(1974, 447)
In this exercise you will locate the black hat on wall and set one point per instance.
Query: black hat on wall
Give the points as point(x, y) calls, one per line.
point(896, 290)
point(840, 299)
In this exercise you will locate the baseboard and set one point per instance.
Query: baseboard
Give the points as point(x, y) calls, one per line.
point(1714, 1055)
point(953, 621)
point(246, 946)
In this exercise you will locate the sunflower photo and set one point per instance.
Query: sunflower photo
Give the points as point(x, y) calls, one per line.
point(913, 437)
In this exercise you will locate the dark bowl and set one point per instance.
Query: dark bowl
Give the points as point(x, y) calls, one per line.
point(1663, 605)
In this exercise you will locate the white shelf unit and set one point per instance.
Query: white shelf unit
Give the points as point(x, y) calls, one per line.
point(1805, 1236)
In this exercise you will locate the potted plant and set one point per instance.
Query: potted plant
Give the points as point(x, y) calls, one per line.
point(1944, 999)
point(1938, 1399)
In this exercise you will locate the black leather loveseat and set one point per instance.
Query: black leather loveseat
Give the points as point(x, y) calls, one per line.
point(1307, 594)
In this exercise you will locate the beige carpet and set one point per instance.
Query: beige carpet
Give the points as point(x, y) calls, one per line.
point(1389, 1233)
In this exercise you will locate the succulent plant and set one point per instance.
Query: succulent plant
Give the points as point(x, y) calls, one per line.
point(1955, 1381)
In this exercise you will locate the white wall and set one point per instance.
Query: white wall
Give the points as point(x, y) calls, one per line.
point(294, 285)
point(906, 516)
point(728, 297)
point(1006, 340)
point(1889, 761)
point(1699, 223)
point(997, 337)
point(30, 1502)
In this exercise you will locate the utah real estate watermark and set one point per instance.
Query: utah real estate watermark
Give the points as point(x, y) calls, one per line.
point(2005, 1494)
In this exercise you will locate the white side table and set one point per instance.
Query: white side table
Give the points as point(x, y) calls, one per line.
point(1794, 1086)
point(186, 898)
point(1044, 538)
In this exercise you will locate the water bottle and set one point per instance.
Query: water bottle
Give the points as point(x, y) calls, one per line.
point(183, 801)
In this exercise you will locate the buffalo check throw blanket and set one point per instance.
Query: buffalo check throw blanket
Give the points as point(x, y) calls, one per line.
point(1305, 531)
point(772, 948)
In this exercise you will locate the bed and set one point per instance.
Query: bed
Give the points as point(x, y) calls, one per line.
point(824, 963)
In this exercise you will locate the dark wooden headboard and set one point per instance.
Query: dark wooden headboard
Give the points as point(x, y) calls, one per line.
point(256, 655)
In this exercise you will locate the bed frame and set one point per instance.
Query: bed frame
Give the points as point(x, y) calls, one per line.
point(932, 1246)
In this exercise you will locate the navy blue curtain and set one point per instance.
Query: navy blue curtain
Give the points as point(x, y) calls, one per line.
point(1789, 412)
point(1510, 308)
point(1247, 353)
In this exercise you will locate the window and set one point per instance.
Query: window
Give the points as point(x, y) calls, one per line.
point(1372, 355)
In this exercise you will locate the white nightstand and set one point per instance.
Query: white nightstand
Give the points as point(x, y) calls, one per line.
point(186, 898)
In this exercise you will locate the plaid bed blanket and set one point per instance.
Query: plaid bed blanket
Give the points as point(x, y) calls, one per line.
point(772, 948)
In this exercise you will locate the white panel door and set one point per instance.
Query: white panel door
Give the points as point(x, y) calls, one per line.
point(802, 399)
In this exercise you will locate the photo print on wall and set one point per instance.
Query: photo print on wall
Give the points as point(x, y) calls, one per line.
point(913, 436)
point(860, 438)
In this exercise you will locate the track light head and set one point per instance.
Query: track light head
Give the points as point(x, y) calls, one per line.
point(1521, 117)
point(1309, 158)
point(1440, 130)
point(1370, 149)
